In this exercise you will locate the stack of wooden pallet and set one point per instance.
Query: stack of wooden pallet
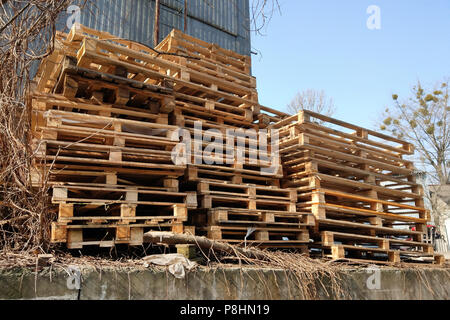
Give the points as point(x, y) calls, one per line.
point(237, 201)
point(108, 115)
point(360, 188)
point(105, 144)
point(232, 95)
point(105, 114)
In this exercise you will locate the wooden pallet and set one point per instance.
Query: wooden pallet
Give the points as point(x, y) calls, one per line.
point(55, 121)
point(346, 160)
point(94, 54)
point(56, 173)
point(106, 94)
point(64, 151)
point(239, 149)
point(137, 62)
point(108, 235)
point(253, 191)
point(217, 173)
point(121, 214)
point(114, 88)
point(209, 59)
point(220, 96)
point(109, 194)
point(329, 238)
point(372, 226)
point(356, 182)
point(145, 67)
point(211, 115)
point(81, 141)
point(263, 237)
point(341, 131)
point(215, 194)
point(233, 157)
point(216, 60)
point(187, 118)
point(104, 113)
point(68, 45)
point(394, 201)
point(245, 217)
point(270, 228)
point(237, 234)
point(97, 104)
point(327, 204)
point(214, 201)
point(63, 173)
point(306, 165)
point(377, 255)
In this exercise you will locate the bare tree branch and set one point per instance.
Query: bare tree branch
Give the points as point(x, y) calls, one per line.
point(312, 100)
point(261, 12)
point(27, 33)
point(423, 120)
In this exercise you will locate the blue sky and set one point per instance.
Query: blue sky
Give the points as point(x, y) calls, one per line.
point(325, 44)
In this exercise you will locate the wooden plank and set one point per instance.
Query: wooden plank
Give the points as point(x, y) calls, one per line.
point(405, 146)
point(300, 145)
point(371, 200)
point(58, 100)
point(361, 226)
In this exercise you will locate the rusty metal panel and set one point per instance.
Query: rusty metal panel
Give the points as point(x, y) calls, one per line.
point(225, 22)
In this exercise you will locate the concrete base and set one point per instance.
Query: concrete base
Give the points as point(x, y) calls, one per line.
point(207, 284)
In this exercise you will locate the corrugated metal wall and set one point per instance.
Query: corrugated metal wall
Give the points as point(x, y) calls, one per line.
point(225, 22)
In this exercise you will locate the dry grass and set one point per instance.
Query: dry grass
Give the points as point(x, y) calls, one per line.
point(27, 30)
point(300, 276)
point(26, 36)
point(310, 277)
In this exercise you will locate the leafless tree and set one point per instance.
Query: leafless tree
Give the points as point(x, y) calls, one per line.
point(261, 12)
point(423, 119)
point(313, 100)
point(27, 33)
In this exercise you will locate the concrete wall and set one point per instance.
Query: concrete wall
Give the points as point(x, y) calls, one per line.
point(219, 284)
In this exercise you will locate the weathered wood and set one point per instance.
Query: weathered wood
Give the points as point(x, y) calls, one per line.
point(202, 242)
point(105, 110)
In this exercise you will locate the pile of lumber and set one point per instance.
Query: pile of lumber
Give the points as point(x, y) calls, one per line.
point(359, 186)
point(108, 115)
point(105, 143)
point(105, 111)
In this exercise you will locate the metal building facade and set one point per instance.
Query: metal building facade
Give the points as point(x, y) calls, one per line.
point(225, 22)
